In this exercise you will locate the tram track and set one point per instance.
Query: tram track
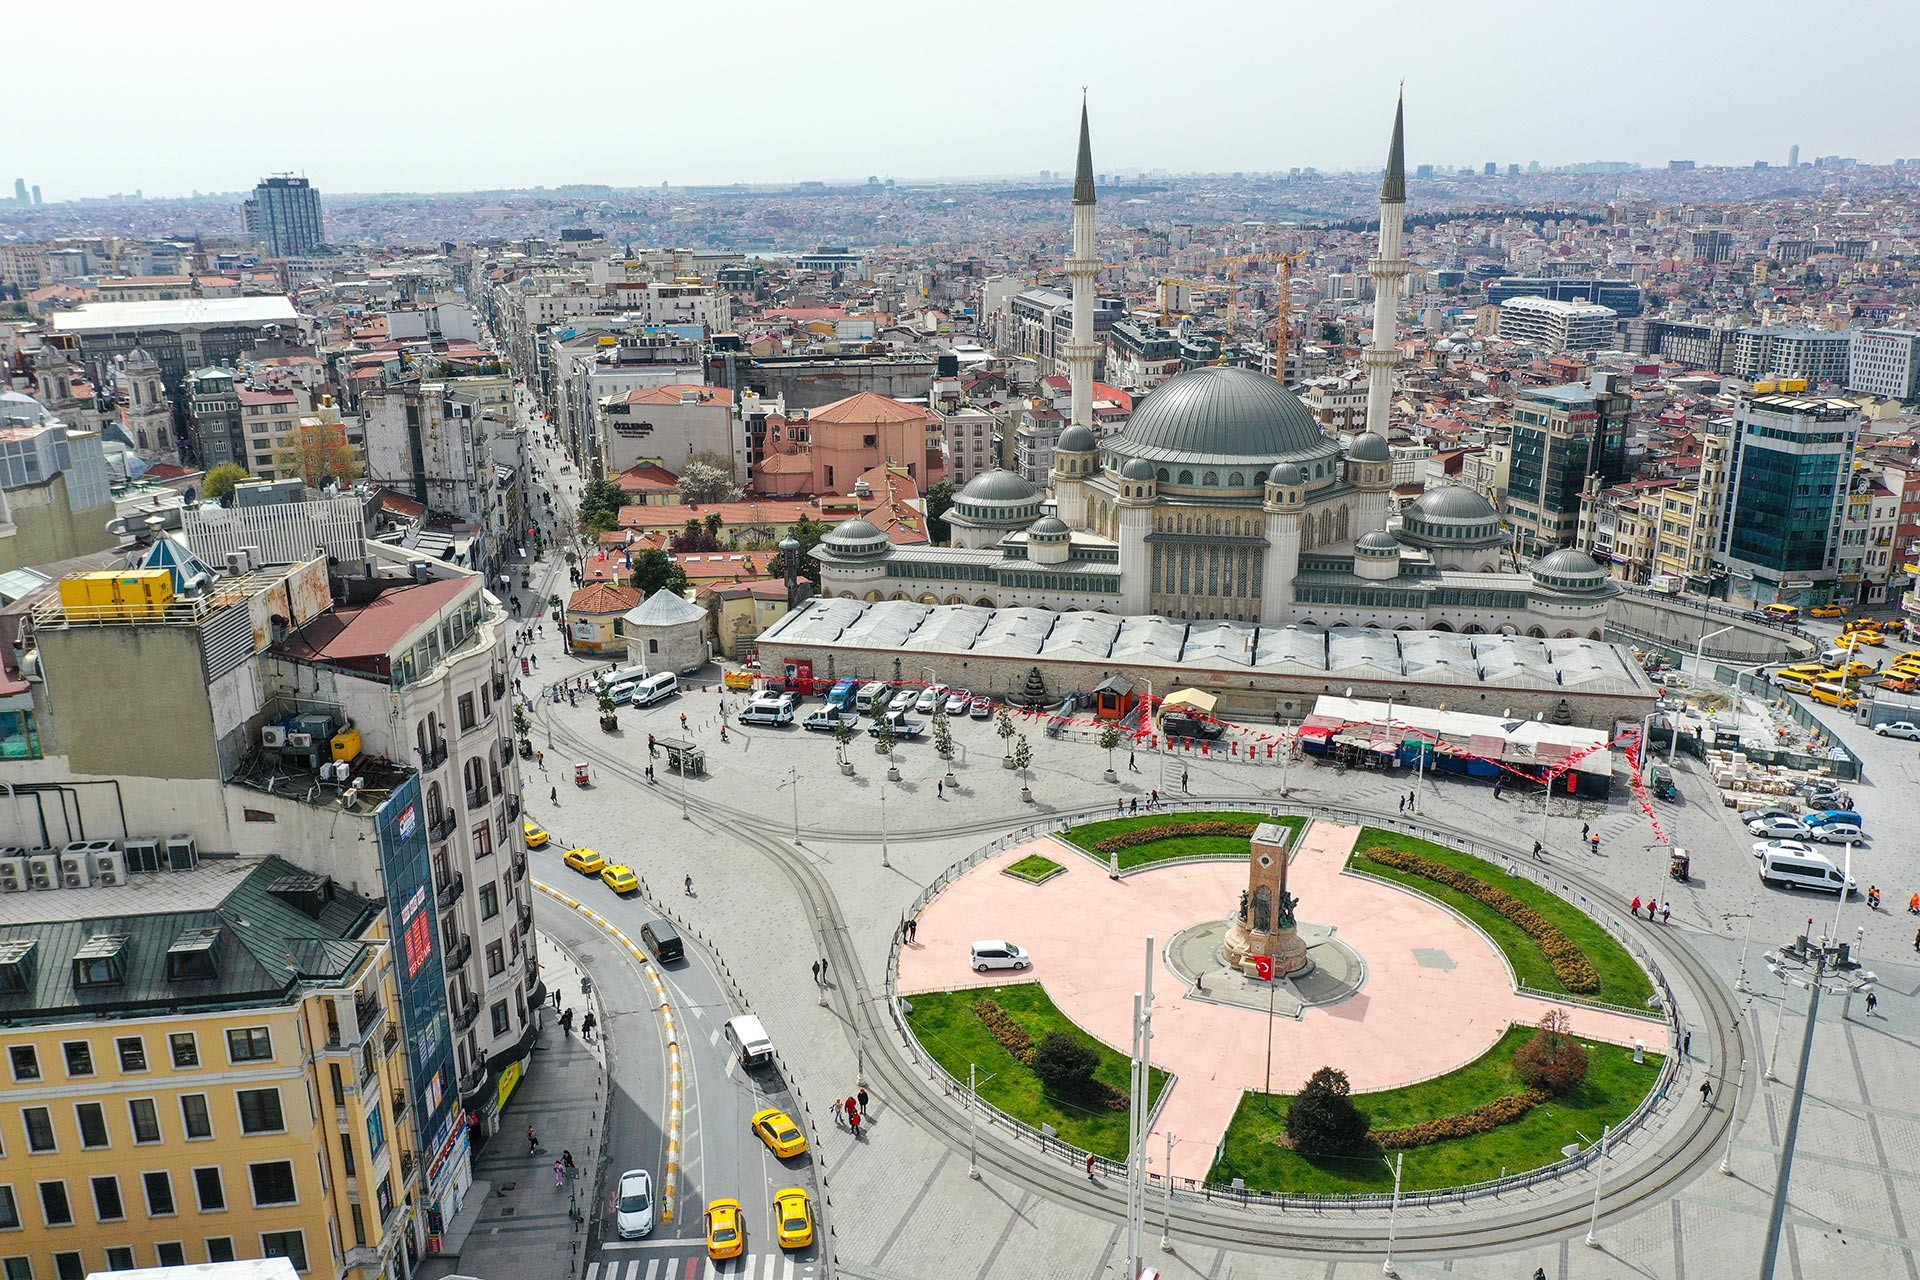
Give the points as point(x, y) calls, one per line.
point(1329, 1232)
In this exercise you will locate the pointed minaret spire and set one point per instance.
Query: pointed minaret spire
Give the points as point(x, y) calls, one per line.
point(1083, 170)
point(1395, 187)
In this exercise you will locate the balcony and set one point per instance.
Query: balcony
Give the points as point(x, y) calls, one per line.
point(472, 1082)
point(499, 686)
point(476, 799)
point(440, 828)
point(450, 889)
point(519, 867)
point(460, 953)
point(533, 976)
point(434, 756)
point(408, 1163)
point(399, 1101)
point(465, 1016)
point(392, 1039)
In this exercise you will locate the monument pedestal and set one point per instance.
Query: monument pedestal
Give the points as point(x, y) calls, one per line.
point(1265, 924)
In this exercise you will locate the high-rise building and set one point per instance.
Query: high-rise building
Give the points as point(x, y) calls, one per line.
point(1557, 326)
point(1712, 246)
point(1885, 362)
point(283, 216)
point(1790, 457)
point(1793, 156)
point(1561, 436)
point(1625, 297)
point(1818, 355)
point(20, 191)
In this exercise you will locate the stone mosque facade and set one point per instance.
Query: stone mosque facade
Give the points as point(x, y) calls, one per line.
point(1222, 498)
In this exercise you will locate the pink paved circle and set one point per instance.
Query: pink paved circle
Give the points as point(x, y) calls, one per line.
point(1087, 935)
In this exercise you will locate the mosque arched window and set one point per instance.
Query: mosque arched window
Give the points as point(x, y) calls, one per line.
point(1186, 477)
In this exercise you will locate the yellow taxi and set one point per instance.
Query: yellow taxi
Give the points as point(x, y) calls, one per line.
point(620, 878)
point(537, 837)
point(1869, 637)
point(726, 1234)
point(1828, 611)
point(793, 1214)
point(1854, 670)
point(777, 1129)
point(586, 861)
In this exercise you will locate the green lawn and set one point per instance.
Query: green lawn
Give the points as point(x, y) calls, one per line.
point(1613, 1088)
point(1033, 869)
point(1623, 983)
point(1087, 835)
point(947, 1027)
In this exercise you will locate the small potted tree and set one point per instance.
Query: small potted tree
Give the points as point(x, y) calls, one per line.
point(883, 743)
point(1003, 725)
point(1022, 760)
point(1109, 739)
point(842, 737)
point(943, 741)
point(609, 721)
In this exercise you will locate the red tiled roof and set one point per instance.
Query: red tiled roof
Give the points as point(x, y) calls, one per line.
point(868, 406)
point(604, 598)
point(369, 632)
point(670, 394)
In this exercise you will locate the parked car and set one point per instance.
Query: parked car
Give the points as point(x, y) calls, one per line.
point(777, 1129)
point(997, 953)
point(1899, 729)
point(769, 709)
point(828, 719)
point(585, 861)
point(1754, 615)
point(902, 727)
point(633, 1214)
point(793, 1217)
point(1787, 827)
point(1821, 815)
point(957, 701)
point(619, 877)
point(902, 701)
point(1777, 811)
point(934, 695)
point(1837, 833)
point(981, 708)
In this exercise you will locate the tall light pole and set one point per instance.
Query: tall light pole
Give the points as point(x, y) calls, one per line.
point(883, 826)
point(1139, 1110)
point(1599, 1173)
point(1699, 657)
point(1739, 1086)
point(1393, 1214)
point(1166, 1205)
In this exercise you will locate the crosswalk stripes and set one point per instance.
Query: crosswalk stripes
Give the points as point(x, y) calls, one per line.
point(697, 1266)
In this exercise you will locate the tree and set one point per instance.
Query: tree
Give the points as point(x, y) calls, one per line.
point(942, 733)
point(220, 481)
point(842, 736)
point(1023, 759)
point(699, 537)
point(319, 452)
point(807, 532)
point(1065, 1063)
point(520, 725)
point(654, 570)
point(701, 482)
point(1323, 1120)
point(883, 735)
point(1003, 725)
point(1109, 739)
point(939, 500)
point(1553, 1061)
point(600, 504)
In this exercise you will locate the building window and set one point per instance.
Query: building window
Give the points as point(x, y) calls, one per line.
point(119, 1258)
point(159, 1185)
point(170, 1253)
point(291, 1245)
point(79, 1057)
point(376, 1132)
point(67, 1266)
point(496, 961)
point(133, 1053)
point(106, 1199)
point(26, 1062)
point(489, 898)
point(483, 841)
point(467, 718)
point(146, 1119)
point(260, 1111)
point(273, 1183)
point(39, 1126)
point(208, 1189)
point(19, 1269)
point(500, 1018)
point(93, 1124)
point(9, 1210)
point(194, 1116)
point(53, 1204)
point(219, 1249)
point(186, 1050)
point(249, 1044)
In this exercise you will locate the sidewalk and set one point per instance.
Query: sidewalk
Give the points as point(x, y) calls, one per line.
point(515, 1221)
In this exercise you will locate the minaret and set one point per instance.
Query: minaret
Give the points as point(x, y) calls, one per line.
point(1388, 270)
point(1082, 267)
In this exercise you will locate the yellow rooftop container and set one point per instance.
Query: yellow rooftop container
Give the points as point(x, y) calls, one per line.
point(1765, 387)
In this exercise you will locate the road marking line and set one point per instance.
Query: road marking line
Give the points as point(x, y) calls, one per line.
point(593, 1269)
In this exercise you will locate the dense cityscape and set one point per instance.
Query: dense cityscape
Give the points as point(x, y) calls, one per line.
point(1112, 530)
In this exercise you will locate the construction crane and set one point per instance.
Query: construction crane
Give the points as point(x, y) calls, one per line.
point(1169, 283)
point(1282, 332)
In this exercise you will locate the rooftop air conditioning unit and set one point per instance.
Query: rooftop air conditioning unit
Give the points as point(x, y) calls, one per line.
point(142, 854)
point(273, 737)
point(44, 870)
point(13, 876)
point(239, 562)
point(300, 741)
point(183, 854)
point(110, 867)
point(76, 870)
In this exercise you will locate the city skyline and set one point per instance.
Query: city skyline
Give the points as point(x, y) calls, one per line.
point(987, 122)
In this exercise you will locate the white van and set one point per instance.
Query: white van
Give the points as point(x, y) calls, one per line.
point(1803, 871)
point(769, 708)
point(750, 1040)
point(655, 689)
point(619, 685)
point(874, 691)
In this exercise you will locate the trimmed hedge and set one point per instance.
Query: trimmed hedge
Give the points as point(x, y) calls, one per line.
point(1173, 830)
point(1570, 964)
point(1484, 1119)
point(1000, 1025)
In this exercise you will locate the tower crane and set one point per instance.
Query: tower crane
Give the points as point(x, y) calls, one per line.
point(1169, 283)
point(1282, 331)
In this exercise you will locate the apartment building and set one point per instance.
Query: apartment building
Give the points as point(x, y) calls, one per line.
point(268, 418)
point(1818, 355)
point(1339, 404)
point(1885, 362)
point(1563, 437)
point(205, 1064)
point(1866, 559)
point(1557, 326)
point(1689, 519)
point(1790, 458)
point(969, 436)
point(442, 442)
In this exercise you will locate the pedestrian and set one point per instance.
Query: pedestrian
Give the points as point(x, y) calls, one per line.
point(1403, 804)
point(566, 1021)
point(559, 1174)
point(587, 1024)
point(1585, 831)
point(940, 789)
point(1873, 897)
point(1412, 799)
point(853, 1121)
point(816, 973)
point(1539, 1273)
point(834, 1106)
point(853, 1106)
point(566, 1158)
point(553, 794)
point(1706, 1092)
point(1183, 781)
point(1133, 804)
point(687, 886)
point(1119, 808)
point(1666, 913)
point(1596, 846)
point(533, 1143)
point(863, 1100)
point(1873, 1001)
point(540, 758)
point(1652, 907)
point(1636, 906)
point(1090, 1177)
point(823, 970)
point(1686, 1043)
point(1536, 852)
point(913, 929)
point(1131, 766)
point(683, 722)
point(1913, 905)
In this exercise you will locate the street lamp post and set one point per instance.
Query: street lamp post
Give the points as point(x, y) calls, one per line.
point(1166, 1205)
point(1139, 1111)
point(883, 827)
point(1739, 1087)
point(1699, 657)
point(1393, 1214)
point(1289, 744)
point(1599, 1173)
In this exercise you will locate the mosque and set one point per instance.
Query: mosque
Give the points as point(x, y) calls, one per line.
point(1222, 499)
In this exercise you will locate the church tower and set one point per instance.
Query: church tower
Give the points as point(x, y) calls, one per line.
point(1382, 357)
point(1082, 267)
point(146, 415)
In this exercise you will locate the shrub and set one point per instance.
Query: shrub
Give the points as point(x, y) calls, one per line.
point(1173, 831)
point(1000, 1025)
point(1570, 964)
point(1323, 1119)
point(1553, 1061)
point(1065, 1063)
point(1482, 1119)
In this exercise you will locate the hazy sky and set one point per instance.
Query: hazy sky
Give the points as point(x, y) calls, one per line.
point(209, 95)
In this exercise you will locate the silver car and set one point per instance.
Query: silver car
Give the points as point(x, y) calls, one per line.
point(932, 696)
point(633, 1215)
point(995, 953)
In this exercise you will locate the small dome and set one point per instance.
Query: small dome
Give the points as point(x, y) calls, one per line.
point(1287, 475)
point(1049, 529)
point(997, 485)
point(855, 537)
point(1453, 502)
point(1137, 469)
point(1076, 439)
point(1568, 569)
point(1378, 543)
point(1369, 446)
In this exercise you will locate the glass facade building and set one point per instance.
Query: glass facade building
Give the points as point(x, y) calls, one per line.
point(1786, 494)
point(283, 217)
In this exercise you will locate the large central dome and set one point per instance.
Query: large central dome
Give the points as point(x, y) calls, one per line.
point(1221, 415)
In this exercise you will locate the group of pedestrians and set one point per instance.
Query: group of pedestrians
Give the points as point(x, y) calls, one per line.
point(852, 1113)
point(1665, 913)
point(564, 1170)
